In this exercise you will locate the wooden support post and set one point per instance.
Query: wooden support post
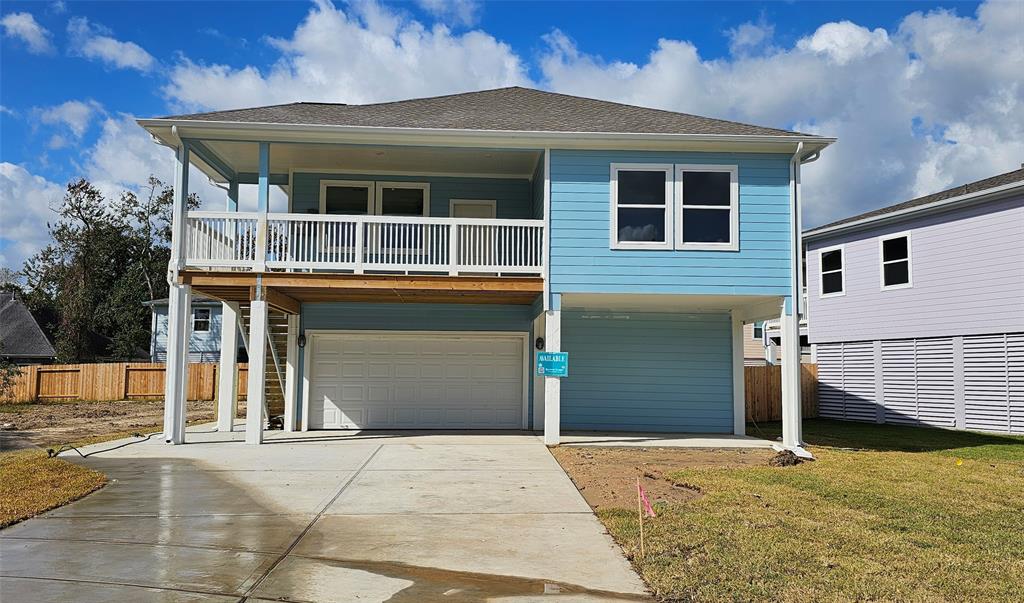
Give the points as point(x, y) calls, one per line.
point(176, 380)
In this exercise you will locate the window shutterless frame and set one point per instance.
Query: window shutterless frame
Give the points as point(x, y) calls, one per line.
point(367, 184)
point(733, 208)
point(201, 319)
point(841, 271)
point(882, 262)
point(665, 168)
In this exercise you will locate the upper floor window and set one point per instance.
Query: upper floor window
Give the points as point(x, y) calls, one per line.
point(200, 320)
point(641, 206)
point(759, 330)
point(708, 215)
point(833, 277)
point(895, 261)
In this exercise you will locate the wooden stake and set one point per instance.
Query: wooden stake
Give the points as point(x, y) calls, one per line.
point(640, 513)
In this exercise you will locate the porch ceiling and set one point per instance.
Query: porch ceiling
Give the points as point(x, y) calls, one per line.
point(315, 287)
point(243, 157)
point(749, 307)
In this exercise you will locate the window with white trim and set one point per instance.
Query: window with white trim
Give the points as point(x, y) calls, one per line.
point(758, 330)
point(641, 206)
point(895, 261)
point(200, 320)
point(833, 278)
point(708, 207)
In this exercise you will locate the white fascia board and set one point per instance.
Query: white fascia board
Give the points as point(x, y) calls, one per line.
point(989, 194)
point(298, 133)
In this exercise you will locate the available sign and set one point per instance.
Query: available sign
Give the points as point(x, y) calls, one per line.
point(552, 364)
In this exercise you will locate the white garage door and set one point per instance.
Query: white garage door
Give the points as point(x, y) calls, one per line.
point(416, 381)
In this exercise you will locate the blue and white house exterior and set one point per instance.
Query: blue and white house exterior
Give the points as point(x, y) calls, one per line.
point(433, 246)
point(917, 310)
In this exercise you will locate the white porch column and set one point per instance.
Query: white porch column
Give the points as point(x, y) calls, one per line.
point(792, 436)
point(291, 371)
point(227, 377)
point(179, 312)
point(256, 394)
point(539, 330)
point(179, 327)
point(552, 385)
point(739, 395)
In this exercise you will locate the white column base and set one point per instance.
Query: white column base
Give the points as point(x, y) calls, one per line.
point(227, 379)
point(255, 396)
point(799, 451)
point(179, 327)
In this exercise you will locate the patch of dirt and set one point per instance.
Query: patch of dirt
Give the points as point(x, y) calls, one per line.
point(785, 458)
point(50, 423)
point(607, 476)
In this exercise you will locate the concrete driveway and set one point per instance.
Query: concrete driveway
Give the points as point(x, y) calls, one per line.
point(322, 517)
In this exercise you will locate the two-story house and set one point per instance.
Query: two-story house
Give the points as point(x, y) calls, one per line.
point(917, 309)
point(432, 246)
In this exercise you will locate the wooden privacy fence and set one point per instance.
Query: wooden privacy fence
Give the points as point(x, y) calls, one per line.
point(764, 391)
point(114, 381)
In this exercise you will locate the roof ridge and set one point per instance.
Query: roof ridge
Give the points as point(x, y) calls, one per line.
point(232, 110)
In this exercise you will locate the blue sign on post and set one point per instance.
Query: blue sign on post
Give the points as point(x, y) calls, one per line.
point(552, 364)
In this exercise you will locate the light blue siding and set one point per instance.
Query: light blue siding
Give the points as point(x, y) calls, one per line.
point(417, 317)
point(203, 346)
point(582, 260)
point(647, 372)
point(513, 195)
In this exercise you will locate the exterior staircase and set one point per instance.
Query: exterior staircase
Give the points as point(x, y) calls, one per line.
point(277, 328)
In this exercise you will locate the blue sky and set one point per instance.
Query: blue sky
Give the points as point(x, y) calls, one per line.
point(888, 78)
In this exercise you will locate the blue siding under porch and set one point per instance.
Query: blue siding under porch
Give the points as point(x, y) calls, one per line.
point(513, 196)
point(641, 371)
point(415, 317)
point(583, 262)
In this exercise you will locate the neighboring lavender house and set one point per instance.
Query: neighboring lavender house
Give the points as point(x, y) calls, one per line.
point(204, 342)
point(917, 309)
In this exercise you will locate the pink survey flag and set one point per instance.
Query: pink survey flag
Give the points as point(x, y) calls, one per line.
point(648, 509)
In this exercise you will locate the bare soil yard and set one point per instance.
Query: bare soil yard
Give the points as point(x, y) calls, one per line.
point(53, 423)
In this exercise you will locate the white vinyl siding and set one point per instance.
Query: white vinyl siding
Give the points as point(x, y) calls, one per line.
point(846, 381)
point(994, 382)
point(917, 381)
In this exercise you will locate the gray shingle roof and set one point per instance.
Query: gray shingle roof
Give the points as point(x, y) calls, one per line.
point(20, 335)
point(956, 191)
point(502, 109)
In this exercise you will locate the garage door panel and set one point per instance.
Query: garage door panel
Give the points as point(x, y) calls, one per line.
point(416, 381)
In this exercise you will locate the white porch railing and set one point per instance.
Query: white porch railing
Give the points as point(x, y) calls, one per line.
point(259, 242)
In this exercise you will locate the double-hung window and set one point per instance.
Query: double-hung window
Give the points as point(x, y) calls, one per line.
point(833, 273)
point(708, 207)
point(759, 330)
point(895, 261)
point(641, 206)
point(200, 320)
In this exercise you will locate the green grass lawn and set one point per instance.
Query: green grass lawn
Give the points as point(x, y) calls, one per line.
point(885, 513)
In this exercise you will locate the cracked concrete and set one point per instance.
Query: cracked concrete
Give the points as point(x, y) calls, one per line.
point(322, 517)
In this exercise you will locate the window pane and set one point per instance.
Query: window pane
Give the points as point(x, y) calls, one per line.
point(894, 249)
point(706, 188)
point(706, 225)
point(401, 202)
point(347, 200)
point(832, 282)
point(201, 321)
point(832, 260)
point(641, 188)
point(641, 224)
point(897, 273)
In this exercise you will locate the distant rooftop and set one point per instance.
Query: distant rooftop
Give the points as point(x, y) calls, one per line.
point(956, 191)
point(512, 109)
point(20, 334)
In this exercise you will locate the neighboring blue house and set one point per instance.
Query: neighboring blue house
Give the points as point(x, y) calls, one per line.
point(205, 324)
point(432, 246)
point(917, 309)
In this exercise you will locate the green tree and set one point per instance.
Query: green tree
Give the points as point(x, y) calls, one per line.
point(106, 259)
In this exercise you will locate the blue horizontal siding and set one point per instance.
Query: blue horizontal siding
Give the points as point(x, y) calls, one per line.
point(647, 372)
point(514, 196)
point(582, 260)
point(203, 346)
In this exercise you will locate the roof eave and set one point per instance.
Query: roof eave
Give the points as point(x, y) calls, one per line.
point(238, 130)
point(989, 194)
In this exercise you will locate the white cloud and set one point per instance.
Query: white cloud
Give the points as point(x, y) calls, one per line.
point(367, 54)
point(749, 37)
point(25, 202)
point(95, 42)
point(938, 102)
point(4, 110)
point(75, 115)
point(24, 27)
point(456, 12)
